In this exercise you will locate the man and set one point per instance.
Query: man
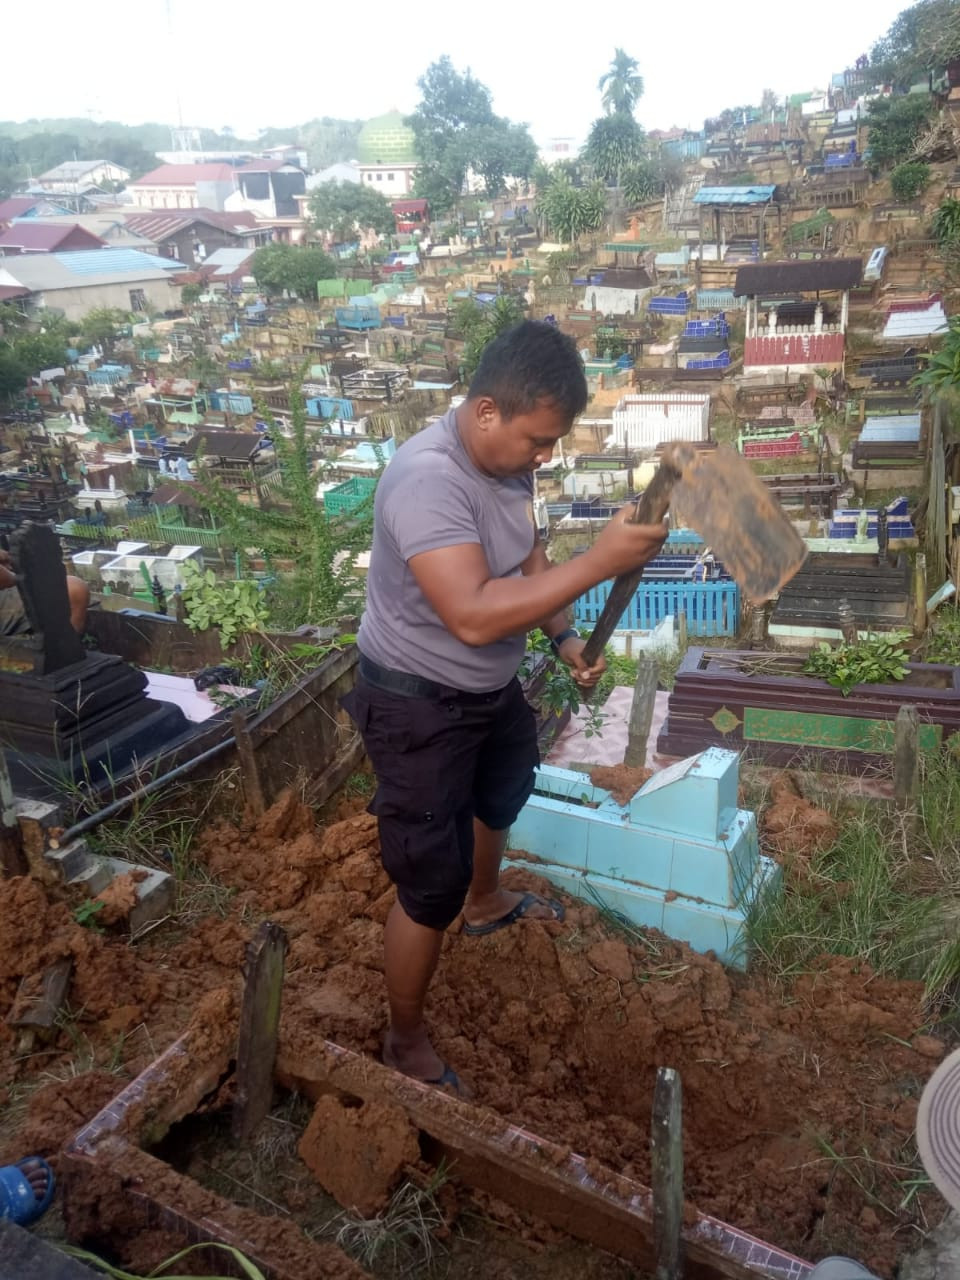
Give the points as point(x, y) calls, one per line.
point(13, 616)
point(457, 578)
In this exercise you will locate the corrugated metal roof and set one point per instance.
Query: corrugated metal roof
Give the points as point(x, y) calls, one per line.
point(916, 324)
point(37, 271)
point(43, 237)
point(905, 429)
point(71, 169)
point(734, 195)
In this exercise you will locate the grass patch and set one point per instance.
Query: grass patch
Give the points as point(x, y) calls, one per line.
point(887, 892)
point(405, 1238)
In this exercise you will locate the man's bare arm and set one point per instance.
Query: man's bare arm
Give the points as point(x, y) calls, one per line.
point(480, 609)
point(539, 562)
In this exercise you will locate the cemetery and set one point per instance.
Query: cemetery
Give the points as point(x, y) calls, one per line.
point(752, 823)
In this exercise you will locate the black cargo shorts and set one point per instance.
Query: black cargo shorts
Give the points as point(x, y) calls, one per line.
point(442, 760)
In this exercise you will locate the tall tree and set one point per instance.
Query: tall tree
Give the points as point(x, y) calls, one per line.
point(895, 124)
point(296, 268)
point(456, 130)
point(344, 208)
point(621, 85)
point(615, 143)
point(920, 42)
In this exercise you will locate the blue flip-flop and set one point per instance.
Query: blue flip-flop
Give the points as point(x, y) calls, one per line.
point(18, 1200)
point(519, 911)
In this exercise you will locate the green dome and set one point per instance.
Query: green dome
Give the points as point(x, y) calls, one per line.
point(386, 140)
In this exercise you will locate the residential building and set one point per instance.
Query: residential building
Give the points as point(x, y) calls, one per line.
point(387, 155)
point(76, 176)
point(109, 226)
point(267, 188)
point(36, 236)
point(190, 237)
point(76, 283)
point(184, 186)
point(342, 171)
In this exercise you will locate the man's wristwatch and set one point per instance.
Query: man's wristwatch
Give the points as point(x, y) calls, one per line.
point(557, 641)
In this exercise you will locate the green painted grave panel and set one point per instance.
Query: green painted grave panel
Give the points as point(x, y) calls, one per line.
point(836, 733)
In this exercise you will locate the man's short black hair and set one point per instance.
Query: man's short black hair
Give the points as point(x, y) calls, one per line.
point(532, 363)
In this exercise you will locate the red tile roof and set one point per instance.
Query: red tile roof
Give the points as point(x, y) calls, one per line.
point(794, 348)
point(158, 224)
point(46, 237)
point(185, 175)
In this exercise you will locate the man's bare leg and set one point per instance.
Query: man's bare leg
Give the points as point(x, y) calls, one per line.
point(487, 901)
point(411, 952)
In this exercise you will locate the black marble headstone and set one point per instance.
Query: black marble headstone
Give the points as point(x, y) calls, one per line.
point(42, 582)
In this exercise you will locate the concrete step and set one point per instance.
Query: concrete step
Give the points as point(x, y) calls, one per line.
point(25, 1256)
point(76, 865)
point(156, 893)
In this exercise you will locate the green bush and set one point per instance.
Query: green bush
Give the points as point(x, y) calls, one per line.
point(232, 607)
point(908, 181)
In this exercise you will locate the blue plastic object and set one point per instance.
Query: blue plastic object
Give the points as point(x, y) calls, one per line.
point(18, 1202)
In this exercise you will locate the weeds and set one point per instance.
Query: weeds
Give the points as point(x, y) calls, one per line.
point(887, 892)
point(402, 1239)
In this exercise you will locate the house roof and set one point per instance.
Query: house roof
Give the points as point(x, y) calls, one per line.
point(735, 195)
point(158, 224)
point(226, 262)
point(73, 169)
point(8, 291)
point(43, 237)
point(39, 271)
point(20, 206)
point(268, 164)
point(108, 226)
point(772, 278)
point(185, 175)
point(238, 446)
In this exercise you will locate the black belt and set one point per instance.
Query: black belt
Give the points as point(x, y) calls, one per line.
point(409, 686)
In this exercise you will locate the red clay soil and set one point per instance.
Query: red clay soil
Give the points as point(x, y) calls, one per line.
point(559, 1028)
point(795, 830)
point(358, 1154)
point(622, 781)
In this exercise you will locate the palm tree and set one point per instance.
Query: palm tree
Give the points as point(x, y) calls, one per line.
point(621, 85)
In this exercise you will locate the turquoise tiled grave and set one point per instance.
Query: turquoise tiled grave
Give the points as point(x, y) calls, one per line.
point(680, 857)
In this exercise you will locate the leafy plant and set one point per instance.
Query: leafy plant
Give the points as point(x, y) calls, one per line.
point(641, 183)
point(232, 607)
point(86, 914)
point(876, 659)
point(942, 369)
point(946, 222)
point(895, 124)
point(344, 208)
point(909, 180)
point(944, 643)
point(614, 144)
point(570, 211)
point(295, 527)
point(561, 692)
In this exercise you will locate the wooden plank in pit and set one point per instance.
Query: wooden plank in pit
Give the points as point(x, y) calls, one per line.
point(535, 1175)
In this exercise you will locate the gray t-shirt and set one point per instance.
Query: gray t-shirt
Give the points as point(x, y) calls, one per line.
point(430, 496)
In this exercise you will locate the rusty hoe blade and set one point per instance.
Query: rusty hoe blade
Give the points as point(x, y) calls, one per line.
point(721, 497)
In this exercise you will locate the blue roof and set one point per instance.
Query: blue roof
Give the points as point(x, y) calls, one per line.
point(95, 262)
point(734, 195)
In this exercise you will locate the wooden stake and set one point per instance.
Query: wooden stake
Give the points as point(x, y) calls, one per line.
point(920, 594)
point(259, 1024)
point(682, 641)
point(666, 1165)
point(249, 772)
point(641, 712)
point(13, 860)
point(906, 758)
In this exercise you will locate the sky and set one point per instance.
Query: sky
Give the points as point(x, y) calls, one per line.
point(242, 64)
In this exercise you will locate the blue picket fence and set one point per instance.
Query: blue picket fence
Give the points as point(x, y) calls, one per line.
point(711, 608)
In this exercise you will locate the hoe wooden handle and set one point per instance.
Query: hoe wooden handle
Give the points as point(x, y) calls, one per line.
point(650, 509)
